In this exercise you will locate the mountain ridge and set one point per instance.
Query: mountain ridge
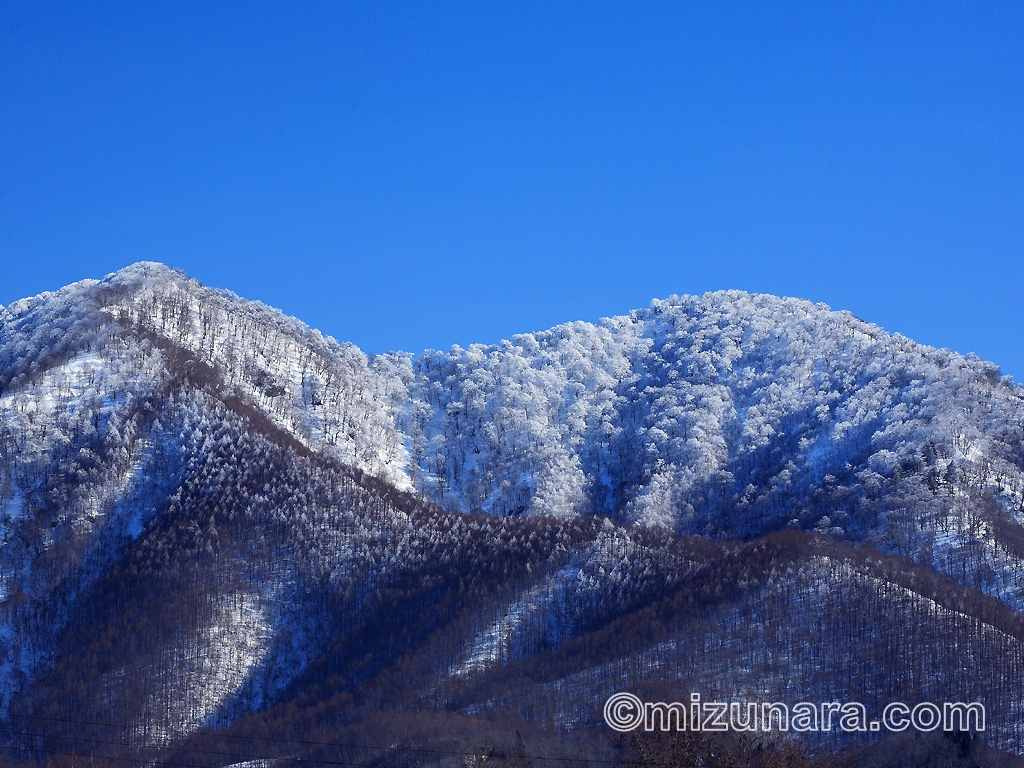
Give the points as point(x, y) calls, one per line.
point(214, 516)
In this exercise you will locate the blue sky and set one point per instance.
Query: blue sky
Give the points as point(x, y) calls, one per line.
point(407, 176)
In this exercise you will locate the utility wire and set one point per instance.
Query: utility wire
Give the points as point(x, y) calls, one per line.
point(302, 742)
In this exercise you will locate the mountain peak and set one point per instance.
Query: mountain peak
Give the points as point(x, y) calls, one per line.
point(149, 272)
point(173, 448)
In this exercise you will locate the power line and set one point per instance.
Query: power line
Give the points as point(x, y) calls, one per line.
point(234, 756)
point(144, 749)
point(303, 742)
point(28, 751)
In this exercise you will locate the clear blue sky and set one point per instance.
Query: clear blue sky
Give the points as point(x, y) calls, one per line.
point(417, 175)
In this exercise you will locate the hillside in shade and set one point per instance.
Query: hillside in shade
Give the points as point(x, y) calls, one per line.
point(226, 537)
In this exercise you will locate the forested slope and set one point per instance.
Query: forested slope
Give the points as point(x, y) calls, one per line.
point(213, 517)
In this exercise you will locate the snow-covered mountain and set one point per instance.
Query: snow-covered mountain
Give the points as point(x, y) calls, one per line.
point(213, 516)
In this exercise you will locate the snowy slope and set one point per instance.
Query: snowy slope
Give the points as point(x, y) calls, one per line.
point(726, 414)
point(264, 510)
